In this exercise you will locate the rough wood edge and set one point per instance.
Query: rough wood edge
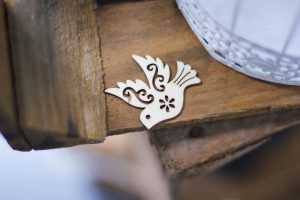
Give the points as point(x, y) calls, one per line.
point(165, 141)
point(46, 139)
point(9, 120)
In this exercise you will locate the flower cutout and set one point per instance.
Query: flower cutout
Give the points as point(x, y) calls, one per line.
point(167, 103)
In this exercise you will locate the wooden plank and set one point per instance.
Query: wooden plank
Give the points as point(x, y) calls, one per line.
point(58, 70)
point(9, 125)
point(271, 172)
point(187, 150)
point(157, 28)
point(103, 2)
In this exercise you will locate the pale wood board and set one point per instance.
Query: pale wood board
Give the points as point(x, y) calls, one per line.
point(9, 125)
point(58, 70)
point(157, 28)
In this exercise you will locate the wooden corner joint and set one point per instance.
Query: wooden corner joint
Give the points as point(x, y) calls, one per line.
point(65, 54)
point(59, 75)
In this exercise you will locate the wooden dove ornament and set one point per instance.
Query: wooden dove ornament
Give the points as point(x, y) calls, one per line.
point(160, 99)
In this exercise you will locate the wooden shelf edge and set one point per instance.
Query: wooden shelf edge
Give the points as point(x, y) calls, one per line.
point(196, 149)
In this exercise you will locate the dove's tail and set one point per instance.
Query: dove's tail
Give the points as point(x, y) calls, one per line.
point(185, 76)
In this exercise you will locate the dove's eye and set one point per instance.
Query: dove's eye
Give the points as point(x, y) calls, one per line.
point(148, 116)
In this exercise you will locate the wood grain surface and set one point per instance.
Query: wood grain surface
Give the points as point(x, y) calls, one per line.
point(9, 125)
point(157, 28)
point(58, 70)
point(200, 149)
point(65, 53)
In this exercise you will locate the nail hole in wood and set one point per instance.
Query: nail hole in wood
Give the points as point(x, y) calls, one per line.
point(197, 132)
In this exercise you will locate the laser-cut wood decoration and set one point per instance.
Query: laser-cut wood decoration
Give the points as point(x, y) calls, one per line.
point(162, 99)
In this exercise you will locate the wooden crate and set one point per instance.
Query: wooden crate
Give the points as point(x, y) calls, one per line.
point(65, 53)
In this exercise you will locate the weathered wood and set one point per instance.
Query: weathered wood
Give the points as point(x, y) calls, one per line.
point(58, 70)
point(9, 125)
point(271, 172)
point(157, 28)
point(187, 150)
point(103, 2)
point(57, 51)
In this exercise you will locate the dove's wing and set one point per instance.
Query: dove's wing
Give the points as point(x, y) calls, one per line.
point(157, 73)
point(135, 93)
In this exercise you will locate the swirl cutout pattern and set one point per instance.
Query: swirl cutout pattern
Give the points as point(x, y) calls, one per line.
point(156, 78)
point(141, 95)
